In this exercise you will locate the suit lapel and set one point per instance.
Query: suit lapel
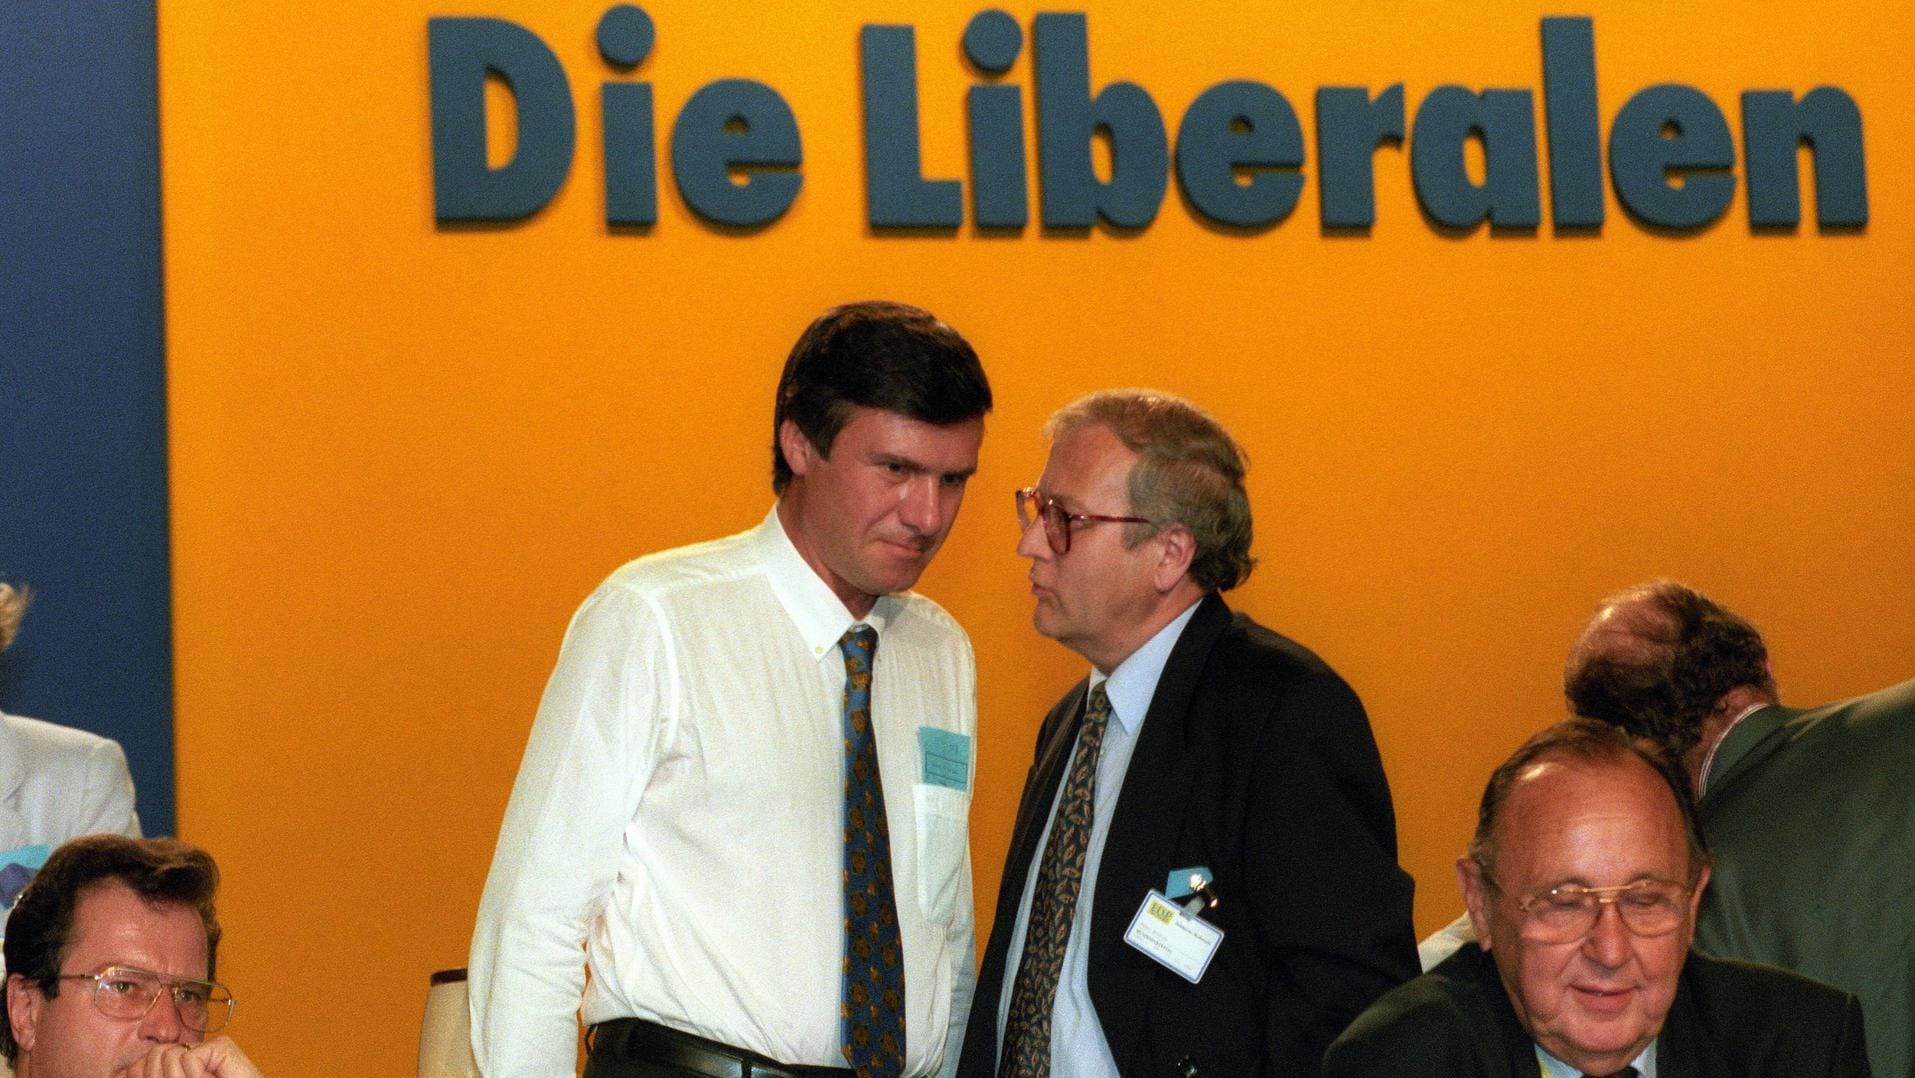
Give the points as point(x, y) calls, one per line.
point(13, 826)
point(1058, 736)
point(1682, 1050)
point(1144, 831)
point(1046, 772)
point(1757, 738)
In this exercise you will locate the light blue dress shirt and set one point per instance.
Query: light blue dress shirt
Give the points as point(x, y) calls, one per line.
point(1645, 1064)
point(1078, 1047)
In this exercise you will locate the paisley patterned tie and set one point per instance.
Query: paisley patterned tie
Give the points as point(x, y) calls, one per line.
point(871, 1026)
point(1027, 1028)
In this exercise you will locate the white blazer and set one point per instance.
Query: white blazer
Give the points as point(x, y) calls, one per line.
point(58, 783)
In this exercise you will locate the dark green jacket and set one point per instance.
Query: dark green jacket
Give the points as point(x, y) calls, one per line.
point(1810, 816)
point(1728, 1020)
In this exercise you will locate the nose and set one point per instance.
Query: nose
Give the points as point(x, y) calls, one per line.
point(162, 1023)
point(1032, 543)
point(921, 506)
point(1608, 942)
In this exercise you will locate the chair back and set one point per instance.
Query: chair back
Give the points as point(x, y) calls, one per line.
point(445, 1035)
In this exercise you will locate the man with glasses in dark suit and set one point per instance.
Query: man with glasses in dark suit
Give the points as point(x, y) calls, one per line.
point(1582, 884)
point(1202, 881)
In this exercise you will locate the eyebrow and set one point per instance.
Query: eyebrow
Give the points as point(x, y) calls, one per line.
point(1583, 881)
point(920, 466)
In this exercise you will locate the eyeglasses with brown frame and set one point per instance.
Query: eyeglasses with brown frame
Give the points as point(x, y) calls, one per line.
point(1034, 505)
point(129, 992)
point(1564, 914)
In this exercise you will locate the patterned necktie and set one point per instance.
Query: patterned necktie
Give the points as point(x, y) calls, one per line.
point(1027, 1028)
point(871, 1012)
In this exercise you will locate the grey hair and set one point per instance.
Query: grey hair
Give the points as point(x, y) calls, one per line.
point(1189, 472)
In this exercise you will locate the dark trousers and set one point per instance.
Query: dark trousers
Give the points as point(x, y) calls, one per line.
point(635, 1048)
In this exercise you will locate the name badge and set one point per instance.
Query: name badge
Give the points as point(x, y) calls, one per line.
point(1181, 942)
point(947, 758)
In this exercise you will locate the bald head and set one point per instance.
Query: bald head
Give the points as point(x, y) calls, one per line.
point(1659, 658)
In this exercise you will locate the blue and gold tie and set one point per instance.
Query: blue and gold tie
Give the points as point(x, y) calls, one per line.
point(1060, 876)
point(871, 1029)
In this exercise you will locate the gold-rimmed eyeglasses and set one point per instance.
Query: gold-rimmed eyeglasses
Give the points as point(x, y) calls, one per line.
point(130, 992)
point(1034, 505)
point(1563, 914)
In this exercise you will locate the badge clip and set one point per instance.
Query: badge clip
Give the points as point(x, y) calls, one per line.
point(1202, 895)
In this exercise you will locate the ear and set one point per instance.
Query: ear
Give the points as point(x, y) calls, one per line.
point(798, 450)
point(23, 1009)
point(1469, 876)
point(1695, 896)
point(1173, 565)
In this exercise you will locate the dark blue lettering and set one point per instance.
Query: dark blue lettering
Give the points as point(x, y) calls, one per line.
point(896, 193)
point(1827, 121)
point(1068, 118)
point(992, 41)
point(1503, 120)
point(1670, 130)
point(1349, 129)
point(1573, 126)
point(1238, 151)
point(625, 37)
point(742, 125)
point(462, 53)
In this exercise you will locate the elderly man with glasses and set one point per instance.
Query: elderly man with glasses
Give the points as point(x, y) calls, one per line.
point(1582, 884)
point(110, 954)
point(1202, 880)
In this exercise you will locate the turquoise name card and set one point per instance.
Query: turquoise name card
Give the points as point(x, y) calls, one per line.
point(947, 758)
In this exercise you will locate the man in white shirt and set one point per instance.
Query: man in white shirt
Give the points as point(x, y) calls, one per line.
point(691, 810)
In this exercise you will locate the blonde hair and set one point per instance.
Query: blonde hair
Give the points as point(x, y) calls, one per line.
point(13, 603)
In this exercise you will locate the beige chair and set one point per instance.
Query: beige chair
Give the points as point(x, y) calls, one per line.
point(445, 1035)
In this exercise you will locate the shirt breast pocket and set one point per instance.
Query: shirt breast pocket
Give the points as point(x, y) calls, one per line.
point(943, 834)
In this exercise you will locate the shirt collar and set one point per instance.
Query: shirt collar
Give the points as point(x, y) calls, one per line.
point(1131, 686)
point(1708, 761)
point(1552, 1067)
point(820, 616)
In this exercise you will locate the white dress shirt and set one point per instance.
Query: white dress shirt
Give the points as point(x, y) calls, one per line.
point(1078, 1046)
point(679, 817)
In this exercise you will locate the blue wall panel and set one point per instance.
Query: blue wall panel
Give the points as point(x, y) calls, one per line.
point(83, 497)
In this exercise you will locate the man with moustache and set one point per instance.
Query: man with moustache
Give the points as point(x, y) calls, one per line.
point(743, 814)
point(1582, 884)
point(1204, 753)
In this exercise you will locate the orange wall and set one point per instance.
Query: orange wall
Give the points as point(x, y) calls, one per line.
point(402, 455)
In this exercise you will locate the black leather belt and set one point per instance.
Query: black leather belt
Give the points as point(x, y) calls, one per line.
point(616, 1045)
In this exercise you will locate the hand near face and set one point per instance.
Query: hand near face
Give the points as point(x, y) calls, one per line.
point(217, 1058)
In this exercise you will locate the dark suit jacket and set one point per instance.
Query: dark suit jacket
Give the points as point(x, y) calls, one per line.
point(1256, 760)
point(1728, 1020)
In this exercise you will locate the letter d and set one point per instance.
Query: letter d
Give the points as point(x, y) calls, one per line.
point(462, 53)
